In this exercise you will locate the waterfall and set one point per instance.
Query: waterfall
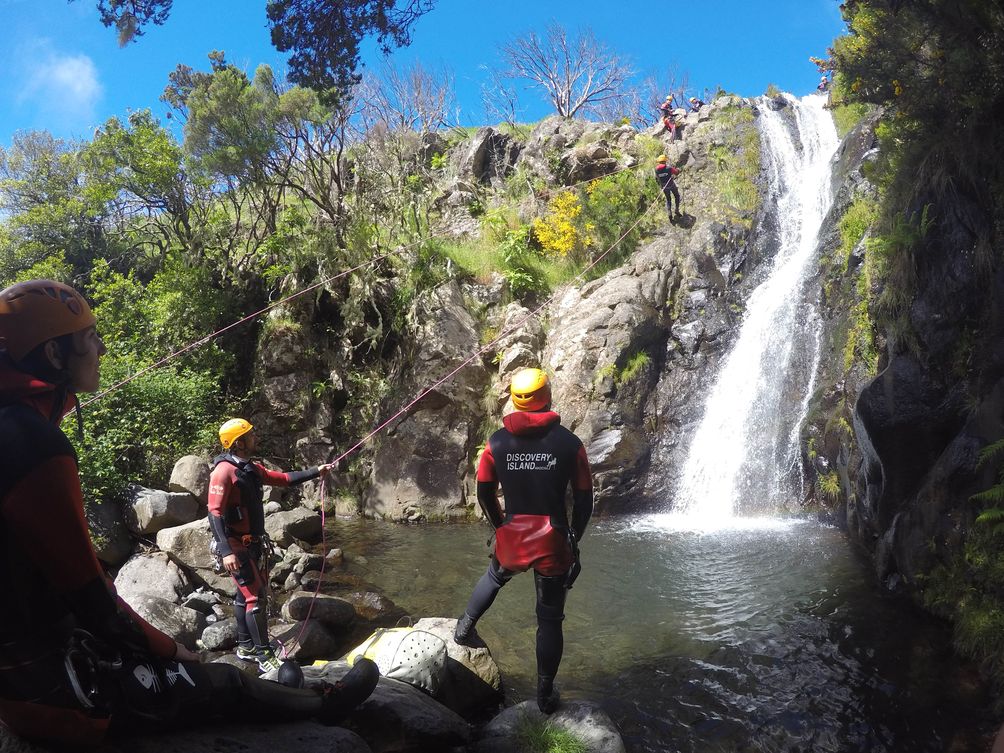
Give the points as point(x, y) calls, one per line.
point(744, 455)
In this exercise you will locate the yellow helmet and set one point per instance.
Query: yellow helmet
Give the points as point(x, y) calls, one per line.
point(660, 158)
point(530, 390)
point(233, 430)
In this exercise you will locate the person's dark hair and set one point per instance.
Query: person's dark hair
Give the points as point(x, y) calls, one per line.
point(37, 363)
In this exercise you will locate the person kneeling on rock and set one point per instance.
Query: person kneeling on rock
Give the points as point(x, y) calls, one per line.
point(535, 459)
point(237, 520)
point(75, 660)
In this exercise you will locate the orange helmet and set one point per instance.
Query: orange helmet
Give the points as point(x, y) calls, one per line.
point(530, 390)
point(233, 430)
point(38, 310)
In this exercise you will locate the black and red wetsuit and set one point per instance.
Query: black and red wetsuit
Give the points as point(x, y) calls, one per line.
point(53, 582)
point(669, 119)
point(535, 459)
point(665, 176)
point(60, 609)
point(237, 520)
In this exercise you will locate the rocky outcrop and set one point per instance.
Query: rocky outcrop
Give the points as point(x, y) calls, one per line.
point(150, 510)
point(597, 332)
point(421, 463)
point(191, 474)
point(153, 574)
point(488, 155)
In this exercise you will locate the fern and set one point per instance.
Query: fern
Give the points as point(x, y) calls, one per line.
point(991, 516)
point(990, 452)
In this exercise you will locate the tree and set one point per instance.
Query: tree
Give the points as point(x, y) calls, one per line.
point(263, 136)
point(398, 110)
point(47, 213)
point(578, 74)
point(322, 35)
point(137, 170)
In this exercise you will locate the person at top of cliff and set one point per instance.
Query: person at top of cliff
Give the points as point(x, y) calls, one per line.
point(75, 659)
point(237, 520)
point(668, 113)
point(695, 104)
point(665, 176)
point(535, 459)
point(824, 84)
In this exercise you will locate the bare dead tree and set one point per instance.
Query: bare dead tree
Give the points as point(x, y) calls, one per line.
point(578, 74)
point(407, 99)
point(671, 83)
point(500, 100)
point(629, 108)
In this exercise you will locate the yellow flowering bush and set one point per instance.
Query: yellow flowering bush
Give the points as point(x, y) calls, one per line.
point(556, 231)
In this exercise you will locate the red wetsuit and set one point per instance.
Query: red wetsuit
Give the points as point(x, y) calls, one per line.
point(54, 589)
point(236, 516)
point(535, 459)
point(52, 580)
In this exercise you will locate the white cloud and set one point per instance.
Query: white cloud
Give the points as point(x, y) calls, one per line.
point(62, 87)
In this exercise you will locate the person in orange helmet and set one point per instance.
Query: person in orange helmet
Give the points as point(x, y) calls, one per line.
point(535, 459)
point(75, 660)
point(237, 520)
point(665, 176)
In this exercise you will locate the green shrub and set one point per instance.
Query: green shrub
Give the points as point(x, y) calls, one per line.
point(545, 737)
point(634, 367)
point(136, 433)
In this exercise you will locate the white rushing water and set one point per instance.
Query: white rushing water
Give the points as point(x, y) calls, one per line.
point(744, 457)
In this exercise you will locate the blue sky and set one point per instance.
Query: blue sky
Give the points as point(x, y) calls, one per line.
point(66, 73)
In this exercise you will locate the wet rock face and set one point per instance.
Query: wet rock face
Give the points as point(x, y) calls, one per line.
point(420, 464)
point(923, 420)
point(597, 331)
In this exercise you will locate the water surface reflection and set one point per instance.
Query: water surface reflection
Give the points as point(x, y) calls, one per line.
point(765, 637)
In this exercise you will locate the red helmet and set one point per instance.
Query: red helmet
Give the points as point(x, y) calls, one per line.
point(39, 310)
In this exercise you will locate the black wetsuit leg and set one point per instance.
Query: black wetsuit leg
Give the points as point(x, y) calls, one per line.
point(672, 192)
point(551, 593)
point(488, 588)
point(252, 624)
point(186, 693)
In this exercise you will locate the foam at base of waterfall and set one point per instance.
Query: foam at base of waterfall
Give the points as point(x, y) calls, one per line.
point(703, 524)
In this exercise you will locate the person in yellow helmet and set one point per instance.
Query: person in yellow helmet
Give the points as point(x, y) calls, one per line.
point(76, 662)
point(535, 459)
point(665, 176)
point(668, 113)
point(237, 520)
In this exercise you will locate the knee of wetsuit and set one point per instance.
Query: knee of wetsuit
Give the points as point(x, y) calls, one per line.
point(551, 594)
point(550, 612)
point(499, 574)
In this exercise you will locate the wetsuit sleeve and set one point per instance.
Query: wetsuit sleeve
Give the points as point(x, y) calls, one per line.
point(279, 478)
point(46, 508)
point(488, 485)
point(221, 495)
point(582, 494)
point(298, 477)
